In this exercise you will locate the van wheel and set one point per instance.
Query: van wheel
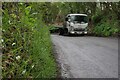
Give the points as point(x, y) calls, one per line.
point(61, 31)
point(66, 32)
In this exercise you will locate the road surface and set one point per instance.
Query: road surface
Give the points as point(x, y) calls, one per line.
point(86, 56)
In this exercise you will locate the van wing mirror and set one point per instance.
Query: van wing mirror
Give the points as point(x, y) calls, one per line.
point(66, 19)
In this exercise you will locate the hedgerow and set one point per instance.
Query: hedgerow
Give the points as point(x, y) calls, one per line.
point(26, 43)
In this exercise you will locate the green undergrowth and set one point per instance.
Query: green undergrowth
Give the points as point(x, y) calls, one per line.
point(105, 24)
point(106, 29)
point(26, 43)
point(53, 29)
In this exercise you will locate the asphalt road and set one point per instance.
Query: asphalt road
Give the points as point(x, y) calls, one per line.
point(86, 56)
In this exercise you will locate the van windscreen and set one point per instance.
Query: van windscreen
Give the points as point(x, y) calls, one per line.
point(79, 18)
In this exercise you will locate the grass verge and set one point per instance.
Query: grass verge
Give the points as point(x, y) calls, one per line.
point(45, 65)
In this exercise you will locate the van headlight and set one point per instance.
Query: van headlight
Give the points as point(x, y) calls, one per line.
point(85, 32)
point(72, 32)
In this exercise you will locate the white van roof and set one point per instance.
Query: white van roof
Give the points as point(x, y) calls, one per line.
point(77, 14)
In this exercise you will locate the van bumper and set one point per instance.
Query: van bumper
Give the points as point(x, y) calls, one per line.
point(78, 32)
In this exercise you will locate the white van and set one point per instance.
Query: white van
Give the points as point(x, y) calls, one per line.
point(75, 24)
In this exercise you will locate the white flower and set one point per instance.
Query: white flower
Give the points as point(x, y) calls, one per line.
point(32, 66)
point(3, 30)
point(9, 22)
point(35, 13)
point(21, 3)
point(2, 40)
point(18, 57)
point(24, 71)
point(13, 44)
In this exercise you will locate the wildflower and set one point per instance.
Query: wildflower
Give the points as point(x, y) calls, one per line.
point(24, 71)
point(9, 22)
point(3, 30)
point(3, 46)
point(18, 57)
point(13, 44)
point(2, 40)
point(35, 13)
point(21, 3)
point(32, 66)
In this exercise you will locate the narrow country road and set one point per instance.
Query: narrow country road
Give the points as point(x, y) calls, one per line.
point(86, 56)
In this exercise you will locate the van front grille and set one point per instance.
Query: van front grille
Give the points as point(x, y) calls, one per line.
point(79, 29)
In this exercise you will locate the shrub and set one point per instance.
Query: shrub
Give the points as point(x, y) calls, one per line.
point(105, 25)
point(105, 29)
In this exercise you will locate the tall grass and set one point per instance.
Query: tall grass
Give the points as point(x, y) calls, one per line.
point(41, 53)
point(26, 44)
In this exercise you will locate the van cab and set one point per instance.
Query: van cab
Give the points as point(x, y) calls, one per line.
point(75, 24)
